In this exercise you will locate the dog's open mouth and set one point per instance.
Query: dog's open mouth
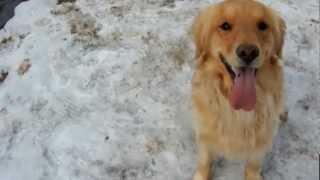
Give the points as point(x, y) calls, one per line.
point(233, 72)
point(243, 92)
point(227, 66)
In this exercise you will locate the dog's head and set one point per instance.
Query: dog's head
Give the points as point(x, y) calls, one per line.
point(242, 35)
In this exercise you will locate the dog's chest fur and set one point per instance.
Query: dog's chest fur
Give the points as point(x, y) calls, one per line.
point(230, 133)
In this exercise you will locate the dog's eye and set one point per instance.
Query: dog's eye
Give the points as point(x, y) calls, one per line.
point(262, 26)
point(225, 26)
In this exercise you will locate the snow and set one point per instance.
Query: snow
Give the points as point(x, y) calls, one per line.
point(107, 95)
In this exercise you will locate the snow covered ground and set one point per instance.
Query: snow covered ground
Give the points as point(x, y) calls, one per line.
point(107, 96)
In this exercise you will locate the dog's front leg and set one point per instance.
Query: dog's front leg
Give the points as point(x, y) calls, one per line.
point(205, 159)
point(253, 168)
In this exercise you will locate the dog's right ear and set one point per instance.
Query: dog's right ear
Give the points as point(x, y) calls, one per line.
point(279, 35)
point(201, 28)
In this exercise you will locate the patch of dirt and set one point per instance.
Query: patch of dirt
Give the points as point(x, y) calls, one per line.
point(179, 53)
point(154, 146)
point(129, 172)
point(6, 41)
point(150, 38)
point(168, 3)
point(24, 67)
point(84, 29)
point(3, 75)
point(119, 11)
point(162, 3)
point(64, 8)
point(43, 22)
point(65, 1)
point(307, 102)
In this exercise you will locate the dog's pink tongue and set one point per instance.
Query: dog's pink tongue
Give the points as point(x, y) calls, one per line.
point(243, 93)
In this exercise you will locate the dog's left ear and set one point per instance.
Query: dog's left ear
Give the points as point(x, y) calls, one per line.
point(201, 31)
point(279, 35)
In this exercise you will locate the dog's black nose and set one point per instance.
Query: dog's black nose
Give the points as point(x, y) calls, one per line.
point(247, 52)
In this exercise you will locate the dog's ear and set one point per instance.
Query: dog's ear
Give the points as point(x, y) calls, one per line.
point(280, 31)
point(201, 31)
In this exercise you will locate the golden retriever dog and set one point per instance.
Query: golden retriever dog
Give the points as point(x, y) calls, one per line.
point(237, 86)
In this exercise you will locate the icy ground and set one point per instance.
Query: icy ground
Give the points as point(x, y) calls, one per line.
point(107, 96)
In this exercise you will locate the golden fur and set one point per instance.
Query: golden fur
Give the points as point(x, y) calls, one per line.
point(220, 130)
